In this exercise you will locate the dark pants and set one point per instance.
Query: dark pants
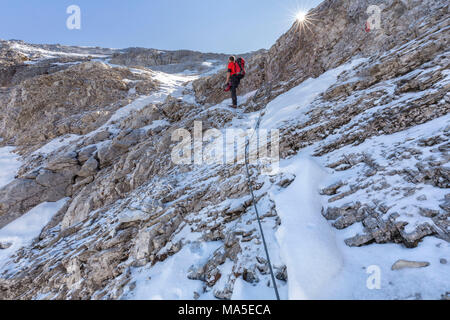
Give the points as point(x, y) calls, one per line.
point(235, 81)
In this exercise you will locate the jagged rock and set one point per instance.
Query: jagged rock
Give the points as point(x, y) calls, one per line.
point(33, 112)
point(98, 137)
point(86, 153)
point(249, 275)
point(81, 182)
point(262, 266)
point(225, 294)
point(56, 181)
point(78, 210)
point(127, 139)
point(23, 194)
point(101, 136)
point(359, 240)
point(432, 141)
point(118, 146)
point(382, 231)
point(411, 240)
point(422, 198)
point(89, 168)
point(141, 118)
point(196, 273)
point(5, 245)
point(65, 161)
point(346, 221)
point(286, 181)
point(347, 215)
point(331, 213)
point(106, 154)
point(146, 243)
point(446, 204)
point(101, 264)
point(332, 190)
point(403, 264)
point(282, 273)
point(429, 213)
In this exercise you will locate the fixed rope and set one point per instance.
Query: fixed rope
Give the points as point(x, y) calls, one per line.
point(254, 200)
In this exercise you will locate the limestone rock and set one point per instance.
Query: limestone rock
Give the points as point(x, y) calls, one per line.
point(86, 153)
point(5, 245)
point(404, 264)
point(332, 190)
point(45, 107)
point(89, 168)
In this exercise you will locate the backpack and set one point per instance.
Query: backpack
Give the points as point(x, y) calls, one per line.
point(241, 63)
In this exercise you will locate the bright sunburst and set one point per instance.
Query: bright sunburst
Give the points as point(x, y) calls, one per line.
point(303, 19)
point(301, 16)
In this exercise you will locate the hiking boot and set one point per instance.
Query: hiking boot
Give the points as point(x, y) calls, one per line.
point(233, 106)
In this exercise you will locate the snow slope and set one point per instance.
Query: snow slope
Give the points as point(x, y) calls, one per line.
point(308, 243)
point(22, 231)
point(9, 164)
point(320, 265)
point(296, 102)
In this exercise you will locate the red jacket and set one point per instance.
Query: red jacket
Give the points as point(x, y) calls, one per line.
point(233, 68)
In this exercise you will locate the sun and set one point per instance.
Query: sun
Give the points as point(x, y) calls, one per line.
point(301, 16)
point(304, 20)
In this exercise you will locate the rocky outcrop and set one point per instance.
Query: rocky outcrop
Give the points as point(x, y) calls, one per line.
point(77, 100)
point(20, 61)
point(169, 61)
point(174, 61)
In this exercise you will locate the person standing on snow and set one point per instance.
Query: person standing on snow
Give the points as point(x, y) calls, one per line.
point(234, 75)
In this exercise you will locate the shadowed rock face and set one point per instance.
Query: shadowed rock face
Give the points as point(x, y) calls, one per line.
point(74, 101)
point(174, 61)
point(169, 61)
point(14, 74)
point(130, 204)
point(20, 61)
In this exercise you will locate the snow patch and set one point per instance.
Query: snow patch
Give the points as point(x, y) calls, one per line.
point(9, 164)
point(156, 124)
point(307, 241)
point(23, 230)
point(167, 280)
point(56, 144)
point(290, 105)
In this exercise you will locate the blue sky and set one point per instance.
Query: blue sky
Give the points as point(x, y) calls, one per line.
point(229, 26)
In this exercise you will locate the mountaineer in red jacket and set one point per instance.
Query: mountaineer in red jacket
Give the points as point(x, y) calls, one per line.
point(233, 79)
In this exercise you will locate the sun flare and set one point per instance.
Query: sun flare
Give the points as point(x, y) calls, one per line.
point(304, 20)
point(301, 16)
